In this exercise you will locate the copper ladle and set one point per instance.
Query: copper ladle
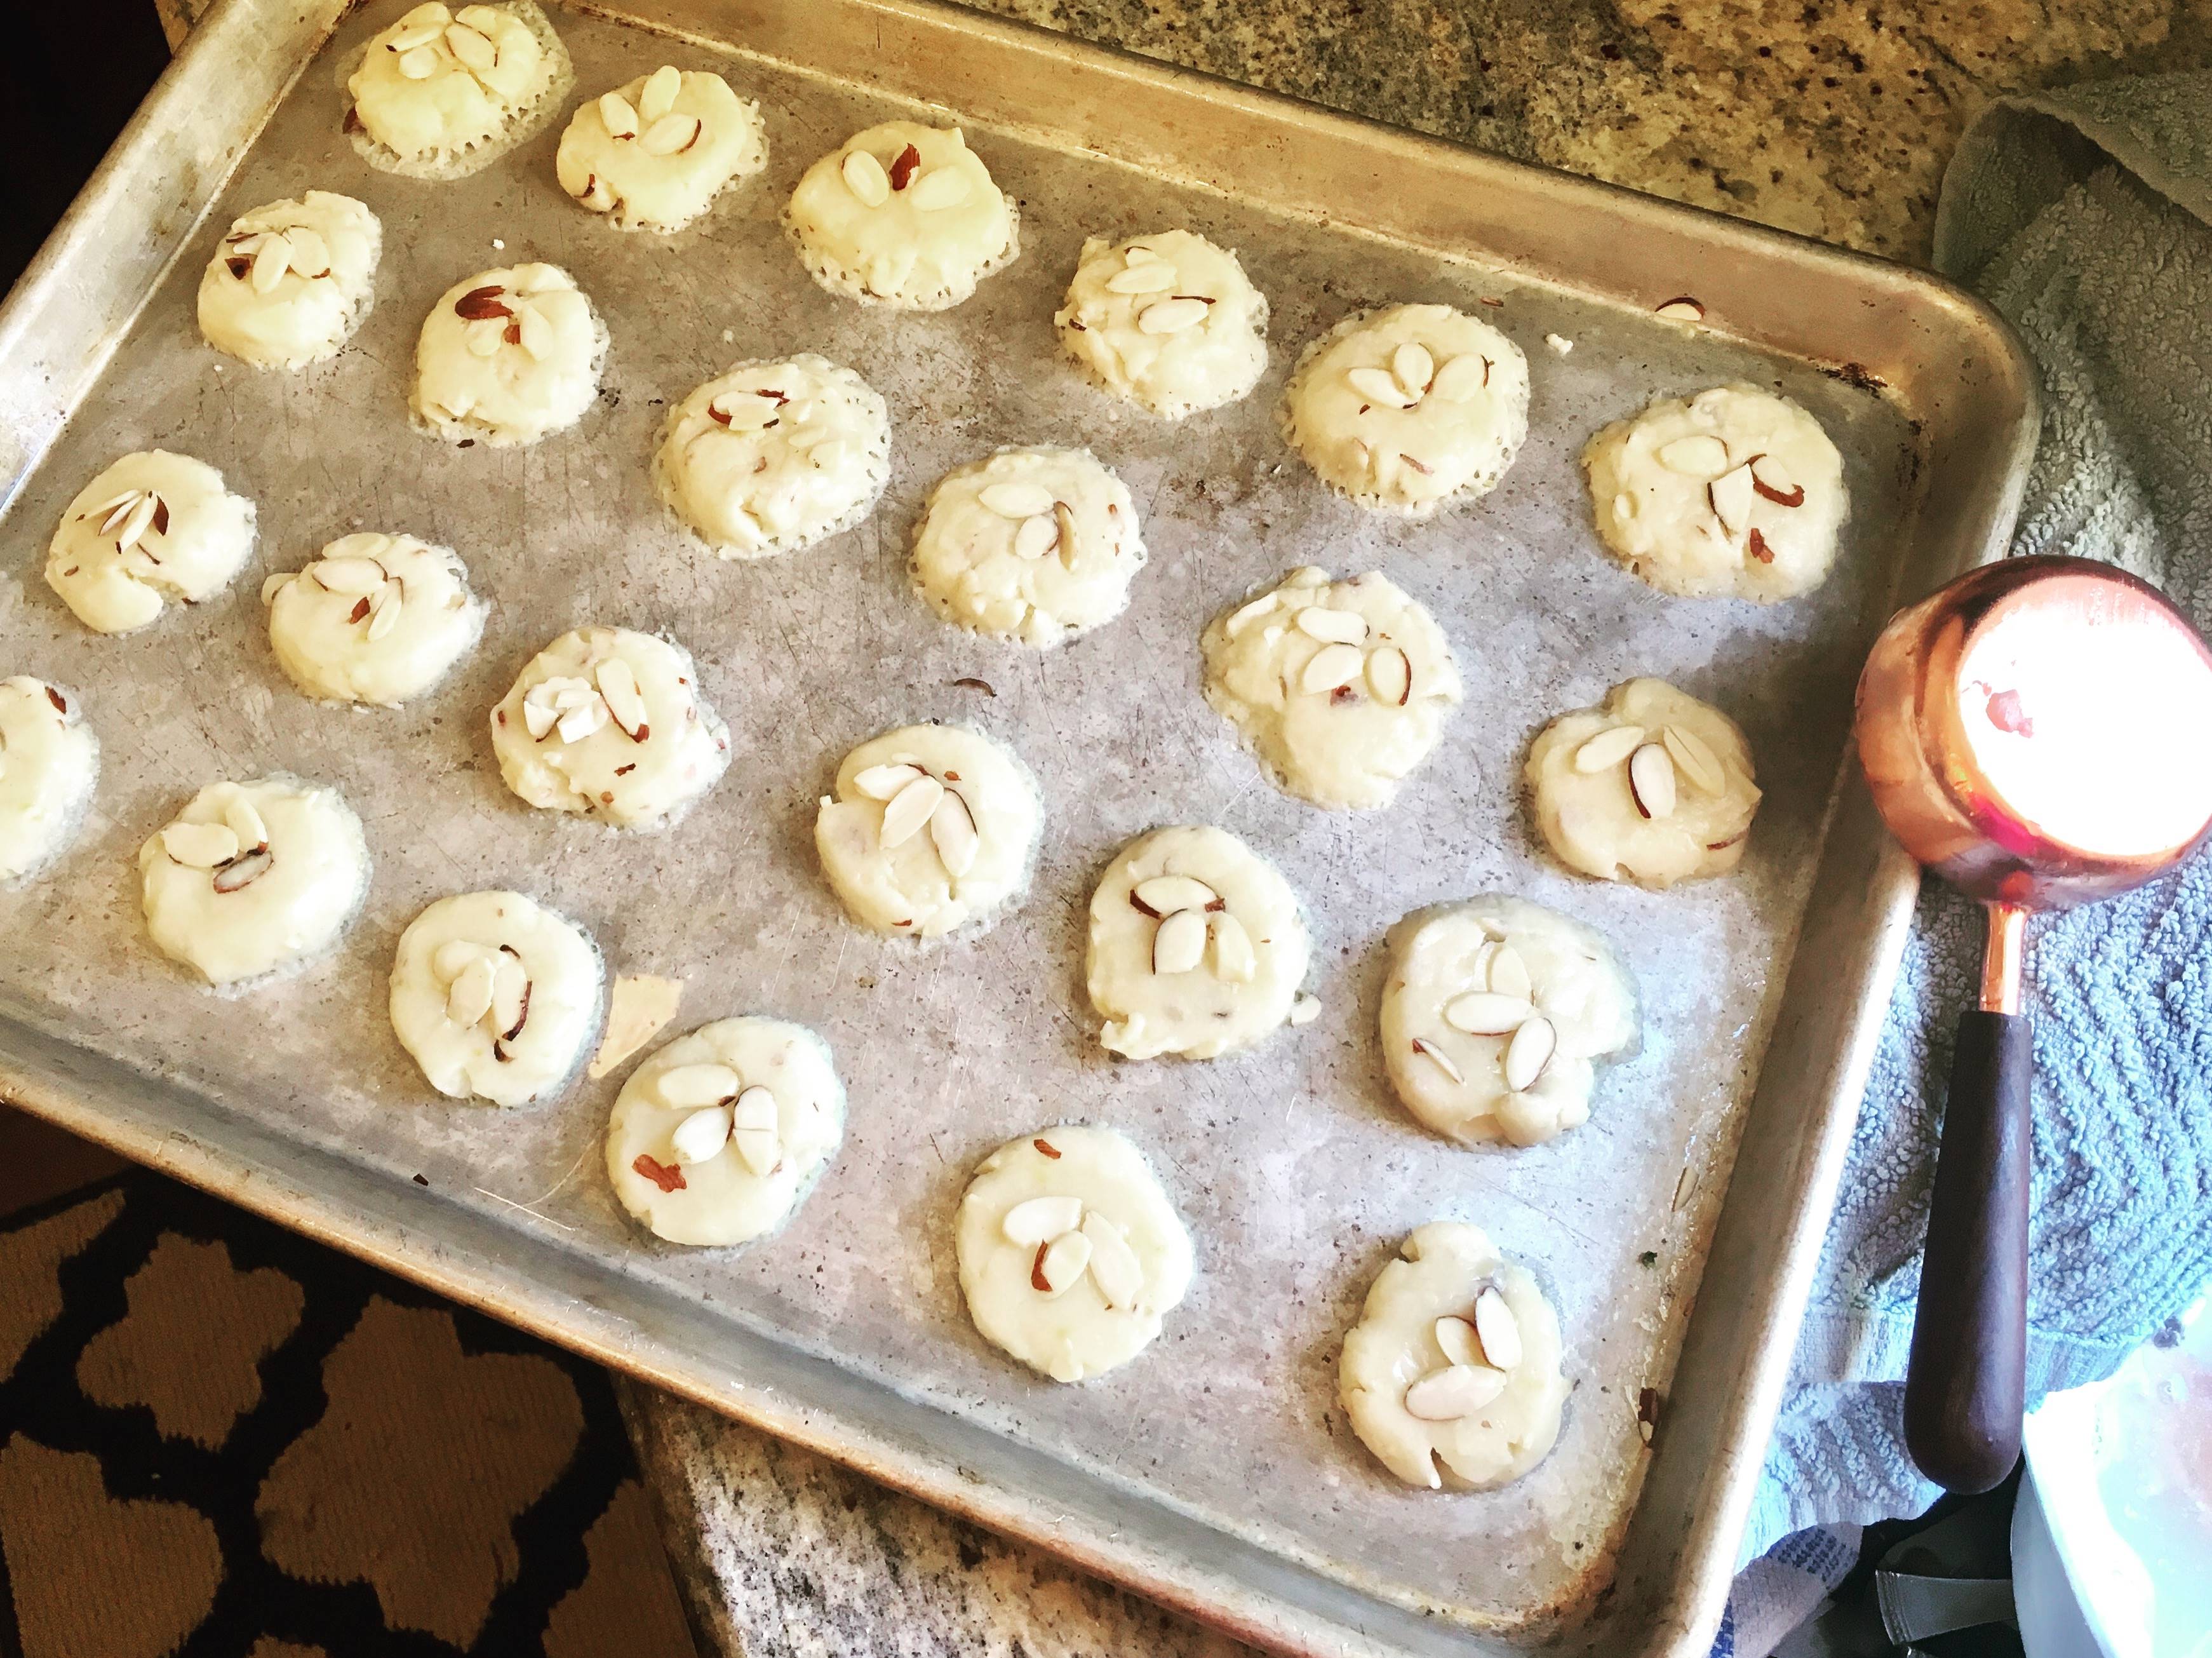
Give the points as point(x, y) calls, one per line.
point(2040, 734)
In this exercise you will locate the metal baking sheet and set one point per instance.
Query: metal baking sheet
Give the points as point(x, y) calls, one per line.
point(1216, 1472)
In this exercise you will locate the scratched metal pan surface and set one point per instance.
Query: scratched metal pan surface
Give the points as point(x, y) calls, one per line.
point(1215, 1472)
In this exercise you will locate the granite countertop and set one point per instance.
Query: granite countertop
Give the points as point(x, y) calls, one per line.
point(1832, 120)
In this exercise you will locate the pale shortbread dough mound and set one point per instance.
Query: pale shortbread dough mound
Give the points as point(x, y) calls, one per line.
point(1655, 788)
point(253, 878)
point(1451, 1376)
point(902, 214)
point(1733, 493)
point(1037, 544)
point(612, 724)
point(376, 618)
point(718, 1136)
point(1404, 408)
point(1340, 688)
point(1071, 1253)
point(507, 356)
point(495, 996)
point(291, 282)
point(441, 94)
point(653, 153)
point(1169, 322)
point(932, 829)
point(49, 764)
point(770, 457)
point(1494, 1015)
point(152, 528)
point(1197, 947)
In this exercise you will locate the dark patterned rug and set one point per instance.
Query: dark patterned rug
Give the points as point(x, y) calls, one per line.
point(216, 1438)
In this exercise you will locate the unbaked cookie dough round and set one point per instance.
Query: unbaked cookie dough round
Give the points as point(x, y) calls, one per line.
point(1339, 688)
point(441, 94)
point(718, 1136)
point(902, 214)
point(291, 281)
point(252, 879)
point(1070, 1251)
point(495, 996)
point(154, 526)
point(1037, 544)
point(770, 457)
point(1656, 787)
point(1169, 322)
point(1197, 947)
point(49, 763)
point(1451, 1376)
point(653, 153)
point(609, 724)
point(507, 356)
point(1404, 408)
point(1733, 493)
point(932, 829)
point(1494, 1015)
point(376, 618)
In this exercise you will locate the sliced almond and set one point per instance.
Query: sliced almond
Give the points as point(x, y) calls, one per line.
point(1234, 961)
point(1390, 676)
point(705, 1083)
point(1017, 501)
point(350, 577)
point(1771, 479)
point(243, 871)
point(1509, 974)
point(1608, 748)
point(911, 808)
point(1500, 1331)
point(1437, 1057)
point(581, 721)
point(1379, 386)
point(617, 116)
point(1413, 368)
point(484, 338)
point(638, 1009)
point(137, 522)
point(1530, 1053)
point(1063, 523)
point(1333, 666)
point(1245, 615)
point(1681, 310)
point(1154, 276)
point(1036, 537)
point(1137, 254)
point(274, 583)
point(1730, 496)
point(1179, 944)
point(1342, 627)
point(1456, 1337)
point(743, 410)
point(659, 94)
point(535, 332)
point(449, 959)
point(754, 1111)
point(1040, 1220)
point(1461, 378)
point(758, 1149)
point(474, 51)
point(1170, 316)
point(510, 995)
point(1163, 896)
point(468, 999)
point(270, 261)
point(701, 1135)
point(865, 178)
point(408, 36)
point(952, 832)
point(244, 822)
point(933, 192)
point(113, 513)
point(670, 134)
point(1114, 1266)
point(200, 845)
point(1699, 455)
point(384, 610)
point(538, 718)
point(1652, 780)
point(1696, 761)
point(617, 683)
point(1061, 1263)
point(882, 781)
point(420, 64)
point(1487, 1013)
point(1455, 1391)
point(311, 254)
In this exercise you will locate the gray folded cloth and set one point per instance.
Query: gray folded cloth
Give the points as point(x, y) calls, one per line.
point(2084, 216)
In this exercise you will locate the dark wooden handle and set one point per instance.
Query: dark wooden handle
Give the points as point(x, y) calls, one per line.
point(1965, 1391)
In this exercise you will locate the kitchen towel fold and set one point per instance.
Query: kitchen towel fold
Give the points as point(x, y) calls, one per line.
point(2085, 217)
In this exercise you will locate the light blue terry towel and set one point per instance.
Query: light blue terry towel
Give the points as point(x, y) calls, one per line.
point(2085, 217)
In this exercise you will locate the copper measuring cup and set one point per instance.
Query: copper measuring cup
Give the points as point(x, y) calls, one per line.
point(2040, 734)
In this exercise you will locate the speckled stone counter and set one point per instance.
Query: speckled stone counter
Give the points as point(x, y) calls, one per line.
point(1832, 120)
